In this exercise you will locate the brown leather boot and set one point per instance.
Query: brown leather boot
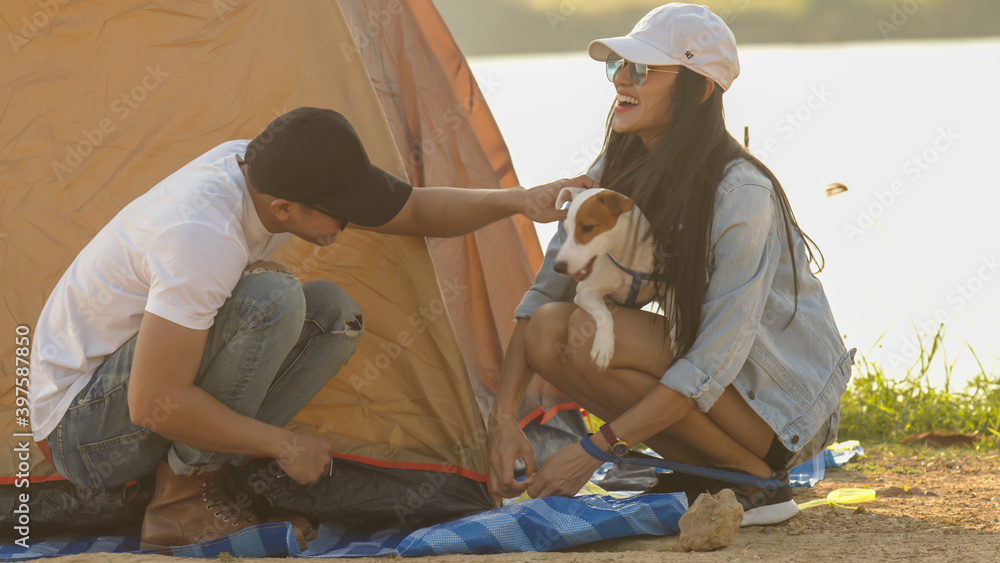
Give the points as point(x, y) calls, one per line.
point(187, 510)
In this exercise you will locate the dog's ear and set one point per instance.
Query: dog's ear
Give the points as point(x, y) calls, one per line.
point(567, 194)
point(615, 202)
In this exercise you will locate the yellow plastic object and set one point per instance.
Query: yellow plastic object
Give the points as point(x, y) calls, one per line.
point(593, 423)
point(842, 498)
point(844, 446)
point(588, 489)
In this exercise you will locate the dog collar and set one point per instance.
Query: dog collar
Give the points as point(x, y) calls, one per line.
point(637, 279)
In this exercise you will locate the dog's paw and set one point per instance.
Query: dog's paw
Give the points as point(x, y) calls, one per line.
point(602, 351)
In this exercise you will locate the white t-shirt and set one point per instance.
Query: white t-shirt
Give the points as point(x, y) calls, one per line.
point(177, 251)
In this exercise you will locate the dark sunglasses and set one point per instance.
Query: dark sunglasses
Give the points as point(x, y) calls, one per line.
point(343, 222)
point(637, 72)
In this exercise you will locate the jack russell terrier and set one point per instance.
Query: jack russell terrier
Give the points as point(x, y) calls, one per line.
point(603, 254)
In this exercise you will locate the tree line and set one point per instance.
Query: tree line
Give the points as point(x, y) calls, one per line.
point(491, 27)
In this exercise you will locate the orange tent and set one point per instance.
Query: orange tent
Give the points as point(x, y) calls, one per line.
point(102, 100)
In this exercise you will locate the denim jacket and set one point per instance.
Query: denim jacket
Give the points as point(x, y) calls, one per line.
point(792, 375)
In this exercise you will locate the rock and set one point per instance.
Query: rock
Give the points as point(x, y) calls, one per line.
point(711, 522)
point(891, 492)
point(796, 527)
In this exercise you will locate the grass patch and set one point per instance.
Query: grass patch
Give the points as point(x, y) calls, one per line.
point(916, 459)
point(877, 408)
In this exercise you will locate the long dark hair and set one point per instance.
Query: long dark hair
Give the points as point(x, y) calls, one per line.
point(674, 183)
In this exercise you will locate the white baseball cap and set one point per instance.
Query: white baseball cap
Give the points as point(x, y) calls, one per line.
point(678, 34)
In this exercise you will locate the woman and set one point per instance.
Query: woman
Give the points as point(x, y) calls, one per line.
point(753, 379)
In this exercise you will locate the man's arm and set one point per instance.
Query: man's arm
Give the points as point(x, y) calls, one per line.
point(162, 397)
point(449, 212)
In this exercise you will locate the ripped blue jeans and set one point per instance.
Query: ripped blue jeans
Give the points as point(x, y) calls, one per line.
point(274, 344)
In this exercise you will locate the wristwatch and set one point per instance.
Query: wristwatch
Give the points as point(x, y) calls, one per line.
point(616, 446)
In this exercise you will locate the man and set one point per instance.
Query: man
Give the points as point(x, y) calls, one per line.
point(171, 345)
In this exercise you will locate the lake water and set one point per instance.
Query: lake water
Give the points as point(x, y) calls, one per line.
point(910, 128)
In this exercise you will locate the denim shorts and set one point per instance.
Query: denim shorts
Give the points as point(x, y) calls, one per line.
point(826, 435)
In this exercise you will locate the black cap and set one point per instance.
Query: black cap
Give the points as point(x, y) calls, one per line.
point(314, 156)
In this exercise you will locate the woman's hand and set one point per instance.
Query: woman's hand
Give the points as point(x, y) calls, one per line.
point(507, 444)
point(540, 206)
point(563, 474)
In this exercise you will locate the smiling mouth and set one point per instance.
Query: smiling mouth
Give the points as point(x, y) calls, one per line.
point(627, 101)
point(585, 271)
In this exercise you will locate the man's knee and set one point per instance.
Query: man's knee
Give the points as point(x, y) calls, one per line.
point(330, 306)
point(275, 296)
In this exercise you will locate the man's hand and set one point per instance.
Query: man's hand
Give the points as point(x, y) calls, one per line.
point(507, 444)
point(304, 458)
point(162, 397)
point(540, 206)
point(564, 473)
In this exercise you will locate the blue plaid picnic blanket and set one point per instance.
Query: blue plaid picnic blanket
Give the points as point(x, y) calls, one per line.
point(262, 540)
point(545, 524)
point(536, 525)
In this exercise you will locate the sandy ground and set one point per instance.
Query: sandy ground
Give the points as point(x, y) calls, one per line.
point(931, 505)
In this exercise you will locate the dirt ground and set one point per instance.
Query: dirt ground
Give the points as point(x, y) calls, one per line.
point(931, 505)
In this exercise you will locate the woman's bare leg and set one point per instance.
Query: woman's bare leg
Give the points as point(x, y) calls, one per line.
point(558, 345)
